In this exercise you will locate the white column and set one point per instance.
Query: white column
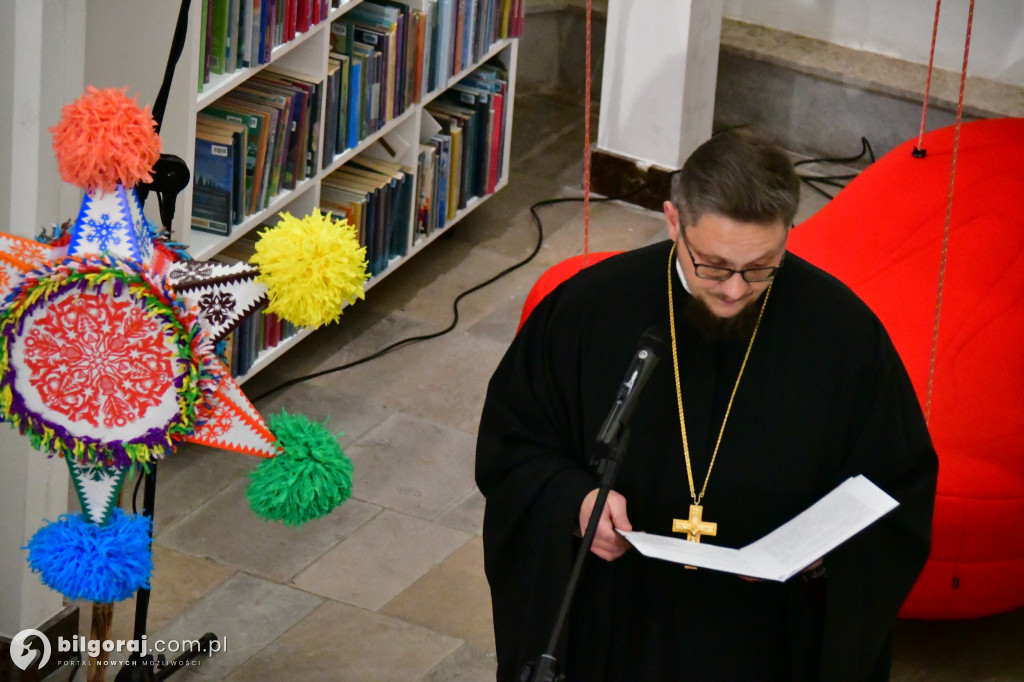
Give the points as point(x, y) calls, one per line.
point(658, 85)
point(42, 46)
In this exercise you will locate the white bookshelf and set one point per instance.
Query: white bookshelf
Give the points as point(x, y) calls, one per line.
point(127, 44)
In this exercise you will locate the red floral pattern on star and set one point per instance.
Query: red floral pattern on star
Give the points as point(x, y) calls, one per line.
point(98, 359)
point(221, 422)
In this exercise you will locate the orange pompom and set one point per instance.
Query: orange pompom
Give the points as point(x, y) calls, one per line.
point(105, 138)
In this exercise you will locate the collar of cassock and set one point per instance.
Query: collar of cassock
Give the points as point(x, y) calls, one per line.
point(682, 278)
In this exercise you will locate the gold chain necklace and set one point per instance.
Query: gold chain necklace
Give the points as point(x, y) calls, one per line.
point(695, 526)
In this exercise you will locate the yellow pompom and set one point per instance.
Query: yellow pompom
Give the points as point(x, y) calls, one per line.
point(312, 267)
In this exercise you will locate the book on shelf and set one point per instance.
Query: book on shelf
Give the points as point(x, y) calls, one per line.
point(254, 135)
point(231, 45)
point(204, 44)
point(212, 182)
point(238, 134)
point(429, 68)
point(405, 85)
point(332, 88)
point(353, 127)
point(458, 22)
point(445, 37)
point(425, 182)
point(259, 330)
point(421, 53)
point(270, 116)
point(483, 34)
point(364, 88)
point(442, 172)
point(243, 51)
point(263, 43)
point(343, 103)
point(289, 149)
point(457, 122)
point(479, 101)
point(311, 91)
point(399, 200)
point(346, 204)
point(382, 41)
point(218, 43)
point(375, 219)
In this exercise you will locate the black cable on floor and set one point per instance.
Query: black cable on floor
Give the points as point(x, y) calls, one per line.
point(455, 303)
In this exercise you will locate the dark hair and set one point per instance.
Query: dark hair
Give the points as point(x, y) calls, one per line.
point(741, 175)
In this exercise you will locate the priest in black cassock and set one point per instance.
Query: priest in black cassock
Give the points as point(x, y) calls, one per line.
point(779, 385)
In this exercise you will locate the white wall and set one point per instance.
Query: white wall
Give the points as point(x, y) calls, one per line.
point(896, 28)
point(666, 91)
point(42, 45)
point(903, 29)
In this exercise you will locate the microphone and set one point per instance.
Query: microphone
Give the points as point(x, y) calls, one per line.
point(649, 350)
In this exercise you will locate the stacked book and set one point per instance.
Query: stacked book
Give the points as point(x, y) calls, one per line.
point(460, 32)
point(237, 34)
point(260, 139)
point(462, 150)
point(259, 330)
point(376, 197)
point(374, 71)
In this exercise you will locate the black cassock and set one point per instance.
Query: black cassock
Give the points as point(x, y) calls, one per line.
point(824, 397)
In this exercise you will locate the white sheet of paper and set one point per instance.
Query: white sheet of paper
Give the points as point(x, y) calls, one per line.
point(850, 508)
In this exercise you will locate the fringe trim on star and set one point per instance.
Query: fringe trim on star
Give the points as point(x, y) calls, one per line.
point(197, 373)
point(82, 560)
point(308, 478)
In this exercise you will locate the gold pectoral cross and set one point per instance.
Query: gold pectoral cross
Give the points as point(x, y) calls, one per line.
point(694, 526)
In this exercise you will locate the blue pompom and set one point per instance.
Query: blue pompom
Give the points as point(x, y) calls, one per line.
point(96, 563)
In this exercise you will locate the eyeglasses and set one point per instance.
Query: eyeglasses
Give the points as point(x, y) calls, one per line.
point(720, 274)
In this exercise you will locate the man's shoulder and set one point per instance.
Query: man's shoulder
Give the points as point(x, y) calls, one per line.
point(611, 289)
point(821, 286)
point(823, 300)
point(623, 271)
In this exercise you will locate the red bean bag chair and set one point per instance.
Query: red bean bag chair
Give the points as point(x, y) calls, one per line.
point(883, 237)
point(555, 275)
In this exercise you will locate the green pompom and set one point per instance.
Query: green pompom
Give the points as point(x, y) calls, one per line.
point(307, 479)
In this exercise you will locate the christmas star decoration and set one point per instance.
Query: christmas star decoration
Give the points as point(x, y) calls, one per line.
point(108, 338)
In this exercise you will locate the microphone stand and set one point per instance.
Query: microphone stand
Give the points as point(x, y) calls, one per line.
point(141, 668)
point(170, 176)
point(543, 668)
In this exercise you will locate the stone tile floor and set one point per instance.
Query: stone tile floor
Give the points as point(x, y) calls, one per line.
point(390, 586)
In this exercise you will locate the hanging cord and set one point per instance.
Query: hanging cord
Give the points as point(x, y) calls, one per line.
point(170, 173)
point(586, 140)
point(177, 46)
point(949, 213)
point(919, 151)
point(159, 108)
